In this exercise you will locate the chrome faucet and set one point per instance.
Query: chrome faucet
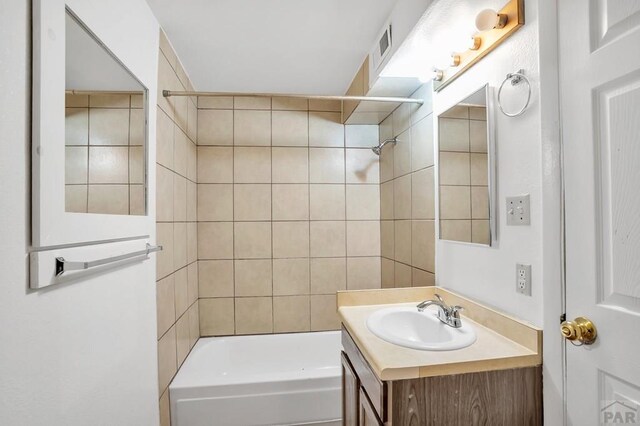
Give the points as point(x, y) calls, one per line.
point(450, 315)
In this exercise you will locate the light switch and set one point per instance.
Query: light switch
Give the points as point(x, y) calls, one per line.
point(518, 211)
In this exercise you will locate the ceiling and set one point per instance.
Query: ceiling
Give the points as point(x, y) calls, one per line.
point(279, 46)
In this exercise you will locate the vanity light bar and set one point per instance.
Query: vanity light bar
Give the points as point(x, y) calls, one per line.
point(169, 93)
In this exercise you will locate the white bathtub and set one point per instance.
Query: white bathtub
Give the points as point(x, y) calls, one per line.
point(277, 379)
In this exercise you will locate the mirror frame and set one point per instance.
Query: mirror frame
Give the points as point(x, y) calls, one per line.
point(491, 165)
point(52, 226)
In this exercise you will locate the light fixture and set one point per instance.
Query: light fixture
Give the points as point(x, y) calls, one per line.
point(455, 60)
point(489, 19)
point(438, 75)
point(475, 42)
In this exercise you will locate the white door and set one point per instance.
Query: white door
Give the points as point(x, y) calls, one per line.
point(600, 104)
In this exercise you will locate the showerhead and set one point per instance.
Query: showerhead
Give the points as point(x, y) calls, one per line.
point(378, 149)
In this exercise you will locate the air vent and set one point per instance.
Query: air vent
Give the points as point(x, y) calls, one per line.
point(382, 48)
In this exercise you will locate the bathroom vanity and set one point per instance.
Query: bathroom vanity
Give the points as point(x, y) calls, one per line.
point(496, 380)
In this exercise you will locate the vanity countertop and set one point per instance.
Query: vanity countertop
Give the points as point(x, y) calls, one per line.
point(503, 342)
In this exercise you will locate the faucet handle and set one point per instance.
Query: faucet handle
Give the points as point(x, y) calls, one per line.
point(437, 296)
point(455, 311)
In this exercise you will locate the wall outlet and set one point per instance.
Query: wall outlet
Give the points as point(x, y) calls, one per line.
point(518, 211)
point(523, 279)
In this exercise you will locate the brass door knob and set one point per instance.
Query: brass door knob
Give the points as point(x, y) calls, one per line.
point(580, 329)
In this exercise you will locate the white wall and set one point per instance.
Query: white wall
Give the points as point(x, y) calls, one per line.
point(83, 353)
point(528, 156)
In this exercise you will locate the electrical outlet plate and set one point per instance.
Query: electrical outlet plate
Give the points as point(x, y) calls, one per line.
point(518, 210)
point(523, 279)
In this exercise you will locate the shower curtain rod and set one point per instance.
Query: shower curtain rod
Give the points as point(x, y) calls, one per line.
point(169, 93)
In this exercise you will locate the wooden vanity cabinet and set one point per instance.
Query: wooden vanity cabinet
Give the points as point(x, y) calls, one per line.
point(510, 397)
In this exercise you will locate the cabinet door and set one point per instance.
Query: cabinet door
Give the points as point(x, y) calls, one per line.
point(368, 415)
point(350, 393)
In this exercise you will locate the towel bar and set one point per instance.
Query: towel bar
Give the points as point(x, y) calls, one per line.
point(63, 265)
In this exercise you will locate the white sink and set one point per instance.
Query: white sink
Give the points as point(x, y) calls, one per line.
point(405, 326)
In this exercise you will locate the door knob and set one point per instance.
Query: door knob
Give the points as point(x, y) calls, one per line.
point(580, 329)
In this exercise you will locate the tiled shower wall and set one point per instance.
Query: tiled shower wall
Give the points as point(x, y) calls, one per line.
point(407, 194)
point(177, 271)
point(288, 213)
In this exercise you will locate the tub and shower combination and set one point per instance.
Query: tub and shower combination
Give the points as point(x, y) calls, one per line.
point(276, 379)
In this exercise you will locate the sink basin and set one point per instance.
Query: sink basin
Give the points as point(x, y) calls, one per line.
point(405, 326)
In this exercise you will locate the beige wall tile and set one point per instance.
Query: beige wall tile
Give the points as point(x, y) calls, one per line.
point(291, 314)
point(192, 202)
point(423, 194)
point(181, 292)
point(164, 258)
point(328, 239)
point(479, 169)
point(362, 166)
point(420, 278)
point(182, 339)
point(137, 200)
point(136, 164)
point(179, 198)
point(252, 128)
point(401, 118)
point(454, 134)
point(361, 136)
point(455, 202)
point(167, 362)
point(192, 161)
point(290, 128)
point(290, 277)
point(326, 129)
point(136, 127)
point(251, 102)
point(165, 304)
point(387, 271)
point(76, 100)
point(363, 238)
point(215, 278)
point(387, 163)
point(480, 232)
point(423, 244)
point(194, 323)
point(290, 165)
point(76, 165)
point(324, 105)
point(328, 275)
point(254, 315)
point(165, 414)
point(422, 144)
point(164, 194)
point(252, 165)
point(251, 202)
point(215, 102)
point(402, 154)
point(327, 202)
point(108, 199)
point(192, 120)
point(215, 127)
point(424, 92)
point(290, 202)
point(402, 244)
point(164, 139)
point(290, 239)
point(75, 198)
point(324, 314)
point(363, 273)
point(215, 165)
point(108, 164)
point(363, 202)
point(387, 238)
point(216, 317)
point(179, 245)
point(479, 202)
point(289, 104)
point(478, 136)
point(457, 111)
point(454, 168)
point(76, 126)
point(455, 230)
point(108, 126)
point(215, 202)
point(326, 165)
point(402, 197)
point(402, 275)
point(180, 151)
point(252, 240)
point(192, 281)
point(253, 277)
point(386, 200)
point(215, 240)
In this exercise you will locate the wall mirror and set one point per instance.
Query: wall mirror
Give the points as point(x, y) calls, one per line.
point(90, 132)
point(104, 129)
point(466, 162)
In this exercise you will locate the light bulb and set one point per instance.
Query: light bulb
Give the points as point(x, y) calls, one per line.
point(489, 19)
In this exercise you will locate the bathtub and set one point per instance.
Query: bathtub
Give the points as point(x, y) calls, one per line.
point(276, 379)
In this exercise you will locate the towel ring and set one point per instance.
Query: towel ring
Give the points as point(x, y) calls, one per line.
point(515, 79)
